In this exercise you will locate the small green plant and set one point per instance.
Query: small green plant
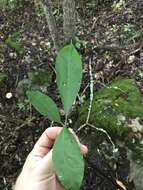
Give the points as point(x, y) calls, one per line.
point(21, 105)
point(13, 41)
point(39, 77)
point(128, 28)
point(137, 35)
point(80, 43)
point(2, 77)
point(128, 33)
point(114, 28)
point(8, 4)
point(11, 4)
point(118, 5)
point(68, 160)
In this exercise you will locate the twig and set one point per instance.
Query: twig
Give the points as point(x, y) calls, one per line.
point(52, 67)
point(81, 127)
point(84, 90)
point(105, 132)
point(5, 183)
point(42, 63)
point(51, 125)
point(91, 91)
point(117, 48)
point(28, 122)
point(89, 111)
point(80, 96)
point(30, 110)
point(136, 50)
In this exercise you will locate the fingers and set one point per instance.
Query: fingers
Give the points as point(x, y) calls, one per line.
point(47, 139)
point(84, 149)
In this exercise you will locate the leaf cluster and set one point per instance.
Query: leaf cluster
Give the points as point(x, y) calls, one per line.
point(68, 160)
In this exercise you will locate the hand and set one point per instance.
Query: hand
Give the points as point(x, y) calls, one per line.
point(38, 172)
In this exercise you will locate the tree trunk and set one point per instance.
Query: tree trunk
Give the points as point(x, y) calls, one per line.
point(47, 8)
point(69, 20)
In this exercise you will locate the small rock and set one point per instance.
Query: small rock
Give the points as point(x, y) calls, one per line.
point(135, 125)
point(9, 95)
point(131, 59)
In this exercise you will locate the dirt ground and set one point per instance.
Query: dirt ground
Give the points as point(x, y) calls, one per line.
point(111, 39)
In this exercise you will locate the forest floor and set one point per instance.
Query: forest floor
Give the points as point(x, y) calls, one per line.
point(110, 36)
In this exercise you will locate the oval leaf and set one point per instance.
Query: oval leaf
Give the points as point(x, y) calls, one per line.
point(44, 104)
point(69, 75)
point(68, 160)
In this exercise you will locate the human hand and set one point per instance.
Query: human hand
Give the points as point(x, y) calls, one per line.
point(38, 172)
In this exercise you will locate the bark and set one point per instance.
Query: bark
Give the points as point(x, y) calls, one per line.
point(69, 20)
point(47, 8)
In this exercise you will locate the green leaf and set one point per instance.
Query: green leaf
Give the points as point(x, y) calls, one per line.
point(68, 160)
point(13, 41)
point(69, 75)
point(2, 77)
point(44, 104)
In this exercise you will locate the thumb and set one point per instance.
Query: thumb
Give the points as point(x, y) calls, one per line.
point(45, 167)
point(46, 172)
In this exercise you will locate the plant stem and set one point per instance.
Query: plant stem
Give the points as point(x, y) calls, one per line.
point(91, 91)
point(66, 119)
point(30, 108)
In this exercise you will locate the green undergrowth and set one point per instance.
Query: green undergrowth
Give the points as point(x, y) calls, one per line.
point(36, 80)
point(13, 42)
point(12, 5)
point(113, 107)
point(41, 77)
point(2, 77)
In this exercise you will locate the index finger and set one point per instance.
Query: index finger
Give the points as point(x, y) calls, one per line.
point(46, 141)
